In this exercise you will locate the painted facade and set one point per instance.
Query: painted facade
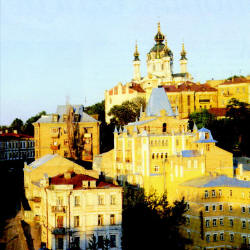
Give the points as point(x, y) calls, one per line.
point(52, 133)
point(159, 152)
point(182, 92)
point(15, 146)
point(69, 204)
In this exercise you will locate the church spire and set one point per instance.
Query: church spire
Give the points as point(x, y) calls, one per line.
point(159, 37)
point(136, 53)
point(183, 53)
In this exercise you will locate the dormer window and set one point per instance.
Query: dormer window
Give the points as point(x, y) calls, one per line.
point(206, 135)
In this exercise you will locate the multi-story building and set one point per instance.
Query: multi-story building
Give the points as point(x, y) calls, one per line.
point(69, 204)
point(68, 132)
point(218, 215)
point(159, 72)
point(238, 88)
point(15, 146)
point(159, 152)
point(182, 92)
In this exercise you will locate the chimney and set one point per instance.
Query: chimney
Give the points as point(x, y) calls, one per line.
point(67, 175)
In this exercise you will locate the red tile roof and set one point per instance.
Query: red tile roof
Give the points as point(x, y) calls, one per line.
point(189, 86)
point(235, 81)
point(218, 111)
point(137, 87)
point(14, 135)
point(76, 181)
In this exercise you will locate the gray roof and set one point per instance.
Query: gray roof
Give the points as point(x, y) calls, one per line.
point(42, 160)
point(190, 153)
point(62, 110)
point(141, 122)
point(158, 101)
point(216, 181)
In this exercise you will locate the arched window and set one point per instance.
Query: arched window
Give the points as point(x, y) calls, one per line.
point(164, 127)
point(162, 155)
point(166, 155)
point(157, 156)
point(153, 156)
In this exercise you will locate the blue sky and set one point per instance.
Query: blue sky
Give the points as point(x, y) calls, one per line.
point(80, 48)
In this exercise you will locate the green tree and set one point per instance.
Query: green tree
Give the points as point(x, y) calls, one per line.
point(127, 112)
point(17, 124)
point(202, 118)
point(152, 217)
point(28, 127)
point(92, 244)
point(98, 108)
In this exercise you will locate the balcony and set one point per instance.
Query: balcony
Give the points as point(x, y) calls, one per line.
point(59, 231)
point(36, 199)
point(54, 147)
point(58, 209)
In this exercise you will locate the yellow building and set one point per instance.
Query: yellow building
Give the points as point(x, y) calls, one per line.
point(159, 72)
point(218, 215)
point(69, 204)
point(238, 88)
point(159, 152)
point(53, 134)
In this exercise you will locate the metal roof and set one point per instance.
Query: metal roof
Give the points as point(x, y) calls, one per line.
point(62, 110)
point(42, 160)
point(158, 101)
point(216, 181)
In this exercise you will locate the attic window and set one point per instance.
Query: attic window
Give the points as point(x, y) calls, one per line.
point(76, 117)
point(206, 136)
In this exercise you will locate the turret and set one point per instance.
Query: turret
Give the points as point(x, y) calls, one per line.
point(183, 60)
point(137, 64)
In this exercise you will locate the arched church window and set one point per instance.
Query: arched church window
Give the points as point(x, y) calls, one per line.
point(164, 127)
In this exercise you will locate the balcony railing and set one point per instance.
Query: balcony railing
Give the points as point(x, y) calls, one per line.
point(58, 209)
point(59, 231)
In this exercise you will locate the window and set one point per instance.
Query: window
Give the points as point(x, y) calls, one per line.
point(153, 156)
point(177, 142)
point(214, 237)
point(231, 222)
point(214, 207)
point(243, 209)
point(100, 220)
point(77, 201)
point(100, 242)
point(244, 239)
point(59, 221)
point(208, 237)
point(221, 236)
point(214, 222)
point(230, 208)
point(112, 199)
point(206, 194)
point(231, 237)
point(59, 201)
point(100, 199)
point(220, 192)
point(207, 208)
point(156, 168)
point(77, 242)
point(221, 222)
point(243, 224)
point(188, 100)
point(164, 127)
point(207, 223)
point(76, 221)
point(231, 192)
point(112, 219)
point(112, 240)
point(221, 207)
point(213, 193)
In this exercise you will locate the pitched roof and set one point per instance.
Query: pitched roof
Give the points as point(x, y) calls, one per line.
point(62, 110)
point(236, 80)
point(76, 181)
point(15, 136)
point(158, 101)
point(137, 87)
point(216, 181)
point(189, 86)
